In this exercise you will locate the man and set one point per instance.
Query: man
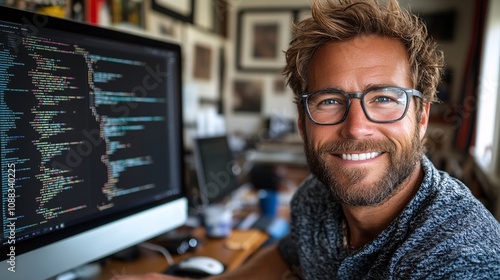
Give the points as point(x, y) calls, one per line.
point(364, 75)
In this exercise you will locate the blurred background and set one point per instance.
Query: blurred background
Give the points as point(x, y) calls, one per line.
point(232, 82)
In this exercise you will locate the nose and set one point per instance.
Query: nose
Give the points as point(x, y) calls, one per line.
point(356, 125)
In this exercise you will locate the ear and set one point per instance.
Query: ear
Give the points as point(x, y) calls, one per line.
point(424, 121)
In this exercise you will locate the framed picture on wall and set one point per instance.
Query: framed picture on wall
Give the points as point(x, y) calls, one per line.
point(202, 68)
point(279, 86)
point(202, 62)
point(178, 9)
point(248, 95)
point(263, 35)
point(128, 13)
point(164, 27)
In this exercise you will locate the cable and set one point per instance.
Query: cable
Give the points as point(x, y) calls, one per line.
point(160, 249)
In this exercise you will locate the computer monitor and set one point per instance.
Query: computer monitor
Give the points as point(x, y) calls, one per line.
point(90, 140)
point(216, 169)
point(280, 126)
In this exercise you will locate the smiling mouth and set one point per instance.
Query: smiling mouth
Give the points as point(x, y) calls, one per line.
point(362, 156)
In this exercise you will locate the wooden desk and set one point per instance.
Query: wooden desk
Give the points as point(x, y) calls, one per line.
point(151, 261)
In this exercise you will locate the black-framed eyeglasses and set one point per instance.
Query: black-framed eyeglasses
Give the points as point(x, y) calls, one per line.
point(380, 104)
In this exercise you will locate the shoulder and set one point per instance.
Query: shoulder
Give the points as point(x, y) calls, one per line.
point(444, 201)
point(478, 260)
point(449, 231)
point(442, 197)
point(449, 209)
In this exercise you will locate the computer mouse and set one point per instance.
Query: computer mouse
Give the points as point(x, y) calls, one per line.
point(200, 264)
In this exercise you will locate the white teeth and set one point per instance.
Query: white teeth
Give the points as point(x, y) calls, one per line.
point(357, 157)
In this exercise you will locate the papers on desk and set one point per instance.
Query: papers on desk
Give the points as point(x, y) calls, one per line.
point(243, 239)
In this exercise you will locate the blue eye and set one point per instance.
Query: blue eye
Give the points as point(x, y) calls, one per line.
point(329, 102)
point(383, 99)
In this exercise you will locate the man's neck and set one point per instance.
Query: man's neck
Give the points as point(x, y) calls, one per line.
point(365, 223)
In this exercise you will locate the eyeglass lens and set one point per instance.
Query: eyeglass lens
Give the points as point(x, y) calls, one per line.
point(384, 105)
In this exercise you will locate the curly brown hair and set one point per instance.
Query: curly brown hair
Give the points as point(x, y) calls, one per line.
point(345, 19)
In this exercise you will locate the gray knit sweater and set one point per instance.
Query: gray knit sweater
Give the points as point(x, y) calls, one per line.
point(443, 233)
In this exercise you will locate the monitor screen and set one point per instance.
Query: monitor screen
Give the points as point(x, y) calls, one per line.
point(216, 168)
point(280, 126)
point(90, 140)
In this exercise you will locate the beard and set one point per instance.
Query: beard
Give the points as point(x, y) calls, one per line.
point(346, 184)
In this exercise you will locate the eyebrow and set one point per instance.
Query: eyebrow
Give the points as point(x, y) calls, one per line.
point(367, 88)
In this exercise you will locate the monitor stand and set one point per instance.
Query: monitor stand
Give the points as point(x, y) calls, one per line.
point(87, 271)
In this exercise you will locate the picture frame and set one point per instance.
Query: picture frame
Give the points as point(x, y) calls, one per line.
point(202, 62)
point(248, 95)
point(128, 14)
point(165, 27)
point(204, 15)
point(179, 9)
point(263, 35)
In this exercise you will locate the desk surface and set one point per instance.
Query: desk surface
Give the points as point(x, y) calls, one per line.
point(151, 261)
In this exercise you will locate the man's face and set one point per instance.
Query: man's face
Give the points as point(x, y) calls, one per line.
point(377, 157)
